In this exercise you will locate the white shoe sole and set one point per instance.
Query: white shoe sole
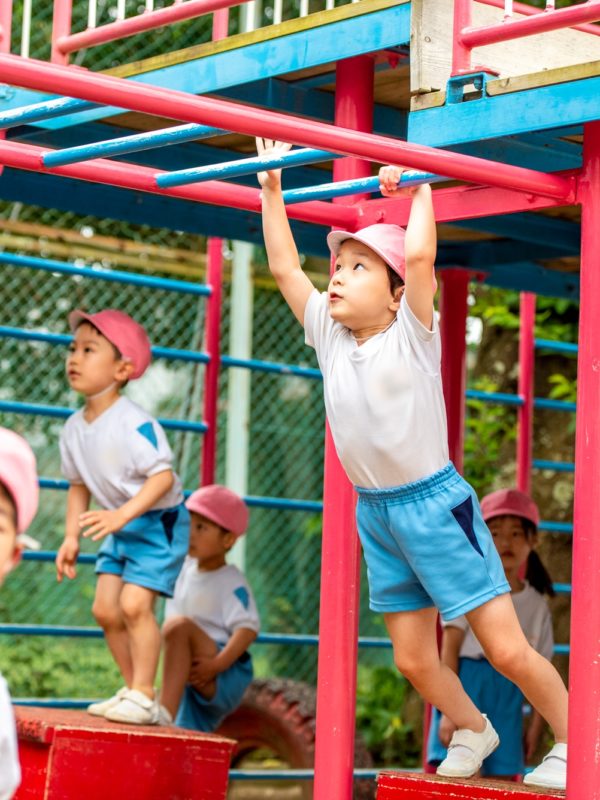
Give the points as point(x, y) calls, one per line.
point(540, 783)
point(449, 772)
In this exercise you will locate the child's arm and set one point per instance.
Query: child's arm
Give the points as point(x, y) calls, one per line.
point(420, 244)
point(204, 670)
point(282, 254)
point(452, 639)
point(78, 501)
point(101, 522)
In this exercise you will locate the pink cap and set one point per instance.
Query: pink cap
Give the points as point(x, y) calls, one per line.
point(385, 240)
point(127, 335)
point(220, 505)
point(510, 501)
point(19, 475)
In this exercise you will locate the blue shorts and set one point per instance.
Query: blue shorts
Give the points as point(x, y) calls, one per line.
point(199, 714)
point(502, 701)
point(426, 544)
point(148, 551)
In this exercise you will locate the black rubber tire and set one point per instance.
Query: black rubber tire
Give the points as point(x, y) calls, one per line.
point(279, 714)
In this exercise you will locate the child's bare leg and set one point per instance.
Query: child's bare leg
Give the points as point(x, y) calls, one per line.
point(137, 606)
point(413, 635)
point(497, 627)
point(184, 642)
point(107, 612)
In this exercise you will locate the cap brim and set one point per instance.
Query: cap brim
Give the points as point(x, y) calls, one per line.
point(28, 542)
point(508, 511)
point(76, 318)
point(335, 239)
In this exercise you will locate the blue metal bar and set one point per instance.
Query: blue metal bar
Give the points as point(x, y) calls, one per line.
point(244, 166)
point(13, 407)
point(554, 405)
point(555, 466)
point(562, 588)
point(501, 398)
point(49, 109)
point(130, 144)
point(556, 527)
point(269, 366)
point(324, 191)
point(50, 702)
point(48, 556)
point(558, 347)
point(113, 276)
point(65, 339)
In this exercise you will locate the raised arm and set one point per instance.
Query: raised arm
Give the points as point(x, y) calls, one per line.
point(281, 248)
point(420, 244)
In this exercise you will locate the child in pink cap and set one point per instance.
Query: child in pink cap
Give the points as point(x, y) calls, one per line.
point(18, 505)
point(115, 452)
point(423, 536)
point(513, 519)
point(211, 620)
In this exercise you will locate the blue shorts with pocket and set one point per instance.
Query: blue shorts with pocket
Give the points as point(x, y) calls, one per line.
point(149, 551)
point(426, 544)
point(502, 701)
point(200, 714)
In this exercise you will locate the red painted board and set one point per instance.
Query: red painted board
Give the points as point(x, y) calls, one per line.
point(409, 786)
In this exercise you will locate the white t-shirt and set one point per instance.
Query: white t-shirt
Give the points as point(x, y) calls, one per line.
point(219, 601)
point(10, 771)
point(116, 453)
point(534, 616)
point(384, 399)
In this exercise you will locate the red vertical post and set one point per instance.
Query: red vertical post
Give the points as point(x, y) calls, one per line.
point(453, 331)
point(340, 555)
point(583, 778)
point(525, 391)
point(212, 337)
point(61, 26)
point(461, 55)
point(5, 25)
point(220, 24)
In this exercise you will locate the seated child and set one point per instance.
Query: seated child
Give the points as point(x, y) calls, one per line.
point(211, 620)
point(512, 517)
point(18, 505)
point(114, 451)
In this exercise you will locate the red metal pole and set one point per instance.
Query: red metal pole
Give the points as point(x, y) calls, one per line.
point(528, 26)
point(583, 779)
point(521, 8)
point(61, 27)
point(220, 24)
point(5, 25)
point(340, 557)
point(461, 55)
point(212, 335)
point(137, 96)
point(453, 330)
point(525, 391)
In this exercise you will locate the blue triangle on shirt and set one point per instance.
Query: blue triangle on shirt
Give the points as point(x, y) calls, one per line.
point(242, 595)
point(147, 431)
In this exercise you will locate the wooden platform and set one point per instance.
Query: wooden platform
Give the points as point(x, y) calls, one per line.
point(70, 755)
point(413, 786)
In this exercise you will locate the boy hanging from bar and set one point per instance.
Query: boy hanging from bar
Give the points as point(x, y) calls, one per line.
point(426, 545)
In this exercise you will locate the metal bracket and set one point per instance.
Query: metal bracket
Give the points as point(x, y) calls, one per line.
point(455, 88)
point(6, 92)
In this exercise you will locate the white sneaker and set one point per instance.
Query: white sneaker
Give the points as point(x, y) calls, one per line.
point(552, 772)
point(135, 708)
point(467, 750)
point(164, 716)
point(99, 709)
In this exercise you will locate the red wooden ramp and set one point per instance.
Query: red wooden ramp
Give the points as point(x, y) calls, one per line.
point(412, 786)
point(70, 755)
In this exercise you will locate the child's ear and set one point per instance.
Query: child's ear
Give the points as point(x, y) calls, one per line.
point(229, 539)
point(398, 292)
point(123, 371)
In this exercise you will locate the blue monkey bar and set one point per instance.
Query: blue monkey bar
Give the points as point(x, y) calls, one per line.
point(324, 191)
point(49, 109)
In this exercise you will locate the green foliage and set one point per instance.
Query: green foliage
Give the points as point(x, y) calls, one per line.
point(563, 388)
point(380, 717)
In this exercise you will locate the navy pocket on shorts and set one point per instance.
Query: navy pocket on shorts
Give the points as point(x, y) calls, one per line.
point(463, 514)
point(168, 519)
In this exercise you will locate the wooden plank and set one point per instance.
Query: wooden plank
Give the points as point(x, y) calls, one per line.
point(413, 786)
point(431, 46)
point(547, 77)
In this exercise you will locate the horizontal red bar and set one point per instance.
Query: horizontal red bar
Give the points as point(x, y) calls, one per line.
point(537, 23)
point(141, 23)
point(521, 8)
point(137, 96)
point(143, 179)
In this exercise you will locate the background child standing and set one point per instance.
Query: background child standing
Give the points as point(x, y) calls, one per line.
point(512, 518)
point(211, 620)
point(18, 505)
point(115, 452)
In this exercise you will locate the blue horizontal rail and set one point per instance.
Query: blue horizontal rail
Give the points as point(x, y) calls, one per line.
point(121, 145)
point(501, 398)
point(112, 276)
point(65, 339)
point(325, 191)
point(244, 166)
point(60, 412)
point(558, 347)
point(49, 109)
point(555, 466)
point(270, 366)
point(556, 527)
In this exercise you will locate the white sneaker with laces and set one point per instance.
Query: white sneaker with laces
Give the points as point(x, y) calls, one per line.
point(467, 750)
point(100, 708)
point(552, 772)
point(135, 708)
